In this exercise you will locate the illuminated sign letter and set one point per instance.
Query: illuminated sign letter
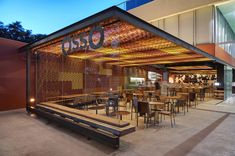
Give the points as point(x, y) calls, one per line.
point(101, 41)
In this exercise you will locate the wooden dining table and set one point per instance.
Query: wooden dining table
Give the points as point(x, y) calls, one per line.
point(157, 106)
point(173, 97)
point(156, 103)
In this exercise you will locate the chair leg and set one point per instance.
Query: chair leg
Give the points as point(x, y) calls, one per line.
point(137, 121)
point(187, 107)
point(154, 120)
point(146, 122)
point(131, 112)
point(171, 120)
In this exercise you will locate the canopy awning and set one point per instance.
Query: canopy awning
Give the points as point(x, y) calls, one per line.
point(127, 41)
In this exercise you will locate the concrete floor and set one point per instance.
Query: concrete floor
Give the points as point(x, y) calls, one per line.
point(204, 131)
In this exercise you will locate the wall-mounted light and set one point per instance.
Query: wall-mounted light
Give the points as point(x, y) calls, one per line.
point(171, 80)
point(216, 84)
point(32, 100)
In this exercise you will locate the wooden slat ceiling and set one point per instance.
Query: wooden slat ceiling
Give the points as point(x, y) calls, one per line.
point(127, 45)
point(202, 67)
point(206, 72)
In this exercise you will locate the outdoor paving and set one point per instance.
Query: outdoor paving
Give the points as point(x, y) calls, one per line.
point(218, 105)
point(220, 142)
point(203, 131)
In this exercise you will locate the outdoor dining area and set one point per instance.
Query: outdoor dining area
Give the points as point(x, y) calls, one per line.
point(118, 101)
point(133, 104)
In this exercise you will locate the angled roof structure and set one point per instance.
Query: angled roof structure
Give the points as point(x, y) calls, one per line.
point(128, 41)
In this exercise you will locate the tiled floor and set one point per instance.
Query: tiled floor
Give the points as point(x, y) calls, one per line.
point(202, 131)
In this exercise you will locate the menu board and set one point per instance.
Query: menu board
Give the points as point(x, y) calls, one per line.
point(152, 76)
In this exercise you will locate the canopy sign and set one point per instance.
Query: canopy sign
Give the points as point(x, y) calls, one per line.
point(81, 41)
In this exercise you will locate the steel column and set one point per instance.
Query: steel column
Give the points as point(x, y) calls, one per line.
point(28, 86)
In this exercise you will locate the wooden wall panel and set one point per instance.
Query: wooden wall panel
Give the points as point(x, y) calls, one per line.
point(59, 75)
point(12, 75)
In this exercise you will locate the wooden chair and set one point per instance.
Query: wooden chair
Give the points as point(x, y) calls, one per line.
point(200, 93)
point(113, 103)
point(157, 94)
point(181, 103)
point(192, 98)
point(186, 98)
point(164, 99)
point(190, 90)
point(145, 111)
point(170, 113)
point(184, 90)
point(211, 91)
point(122, 103)
point(177, 90)
point(98, 105)
point(171, 92)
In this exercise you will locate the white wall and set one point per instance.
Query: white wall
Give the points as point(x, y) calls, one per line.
point(194, 27)
point(163, 8)
point(171, 25)
point(186, 27)
point(204, 25)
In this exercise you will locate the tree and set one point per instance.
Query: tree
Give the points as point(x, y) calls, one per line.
point(3, 30)
point(15, 31)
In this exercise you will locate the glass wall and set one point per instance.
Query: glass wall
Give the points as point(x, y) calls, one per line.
point(224, 35)
point(130, 4)
point(228, 75)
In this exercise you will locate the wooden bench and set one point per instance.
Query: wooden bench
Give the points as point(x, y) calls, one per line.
point(219, 94)
point(95, 126)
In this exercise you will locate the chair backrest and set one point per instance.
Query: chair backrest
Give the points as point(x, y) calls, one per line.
point(112, 101)
point(172, 107)
point(190, 90)
point(143, 107)
point(181, 101)
point(163, 98)
point(177, 89)
point(184, 97)
point(192, 96)
point(197, 90)
point(184, 90)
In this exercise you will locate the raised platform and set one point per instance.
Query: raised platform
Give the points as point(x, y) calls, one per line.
point(98, 127)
